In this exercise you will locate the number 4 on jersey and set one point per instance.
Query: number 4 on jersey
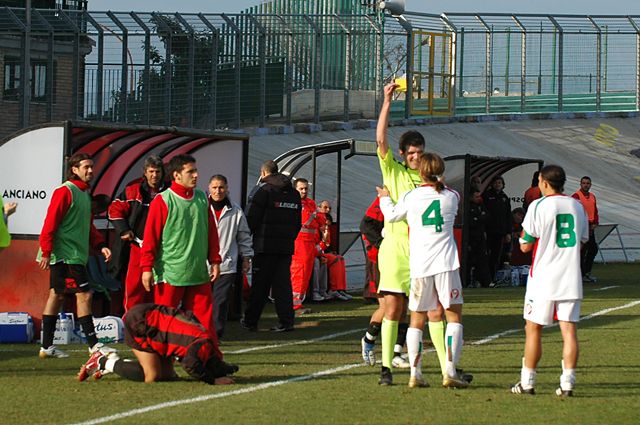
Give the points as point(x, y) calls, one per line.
point(432, 216)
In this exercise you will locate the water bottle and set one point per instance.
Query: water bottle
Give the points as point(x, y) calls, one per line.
point(515, 277)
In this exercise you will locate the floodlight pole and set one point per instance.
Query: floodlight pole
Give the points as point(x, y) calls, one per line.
point(406, 25)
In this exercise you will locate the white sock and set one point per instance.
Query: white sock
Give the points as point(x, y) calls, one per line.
point(110, 363)
point(527, 377)
point(397, 348)
point(568, 378)
point(453, 339)
point(414, 348)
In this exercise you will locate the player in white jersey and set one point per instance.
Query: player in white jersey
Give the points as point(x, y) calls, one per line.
point(554, 228)
point(430, 211)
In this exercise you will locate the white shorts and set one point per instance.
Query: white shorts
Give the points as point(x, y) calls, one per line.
point(545, 312)
point(445, 287)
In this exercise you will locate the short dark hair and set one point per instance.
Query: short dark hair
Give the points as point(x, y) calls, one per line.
point(218, 177)
point(411, 138)
point(300, 180)
point(585, 178)
point(153, 161)
point(534, 180)
point(177, 163)
point(555, 176)
point(496, 178)
point(74, 161)
point(269, 167)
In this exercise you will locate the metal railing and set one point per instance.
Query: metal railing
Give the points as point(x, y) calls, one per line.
point(213, 71)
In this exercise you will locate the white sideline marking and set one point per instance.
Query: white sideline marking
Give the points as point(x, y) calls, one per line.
point(286, 344)
point(266, 385)
point(606, 287)
point(218, 395)
point(262, 347)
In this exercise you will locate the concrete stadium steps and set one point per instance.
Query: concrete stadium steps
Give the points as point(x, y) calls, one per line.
point(598, 147)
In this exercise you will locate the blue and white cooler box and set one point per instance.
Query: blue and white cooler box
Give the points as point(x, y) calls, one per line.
point(16, 327)
point(110, 329)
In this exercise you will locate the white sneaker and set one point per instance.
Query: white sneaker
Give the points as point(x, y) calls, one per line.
point(368, 353)
point(329, 295)
point(338, 295)
point(102, 348)
point(52, 353)
point(401, 362)
point(317, 297)
point(346, 295)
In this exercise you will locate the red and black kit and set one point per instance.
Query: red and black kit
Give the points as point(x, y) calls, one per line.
point(170, 332)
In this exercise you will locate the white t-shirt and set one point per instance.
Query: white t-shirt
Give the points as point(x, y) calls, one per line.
point(430, 215)
point(557, 224)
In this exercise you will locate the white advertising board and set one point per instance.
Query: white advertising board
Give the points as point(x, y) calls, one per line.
point(31, 167)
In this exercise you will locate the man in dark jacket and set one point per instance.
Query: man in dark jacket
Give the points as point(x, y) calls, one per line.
point(499, 224)
point(477, 248)
point(273, 213)
point(128, 213)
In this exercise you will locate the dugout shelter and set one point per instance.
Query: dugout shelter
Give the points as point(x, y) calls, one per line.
point(517, 173)
point(33, 165)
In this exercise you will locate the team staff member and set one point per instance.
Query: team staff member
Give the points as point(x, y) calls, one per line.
point(235, 242)
point(554, 227)
point(371, 227)
point(430, 211)
point(499, 225)
point(6, 210)
point(399, 178)
point(128, 213)
point(305, 244)
point(158, 334)
point(273, 214)
point(590, 249)
point(532, 193)
point(179, 237)
point(67, 234)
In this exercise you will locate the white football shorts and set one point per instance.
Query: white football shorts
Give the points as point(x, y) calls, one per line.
point(445, 287)
point(545, 312)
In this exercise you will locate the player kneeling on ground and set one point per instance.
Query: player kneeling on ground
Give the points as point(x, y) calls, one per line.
point(430, 211)
point(157, 334)
point(555, 225)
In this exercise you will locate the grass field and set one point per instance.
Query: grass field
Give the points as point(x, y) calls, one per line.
point(315, 376)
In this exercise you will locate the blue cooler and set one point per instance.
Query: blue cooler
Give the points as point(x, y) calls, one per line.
point(16, 327)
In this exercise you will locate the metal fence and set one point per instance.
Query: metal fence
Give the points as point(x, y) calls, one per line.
point(527, 63)
point(255, 69)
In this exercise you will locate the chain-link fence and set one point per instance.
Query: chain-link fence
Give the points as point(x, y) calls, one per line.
point(506, 63)
point(256, 69)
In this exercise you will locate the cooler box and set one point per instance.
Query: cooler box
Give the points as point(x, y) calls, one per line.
point(15, 327)
point(109, 329)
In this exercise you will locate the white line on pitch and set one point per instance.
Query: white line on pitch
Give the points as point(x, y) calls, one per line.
point(266, 385)
point(606, 287)
point(286, 344)
point(218, 395)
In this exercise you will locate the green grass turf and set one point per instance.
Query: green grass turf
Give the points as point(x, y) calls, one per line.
point(35, 391)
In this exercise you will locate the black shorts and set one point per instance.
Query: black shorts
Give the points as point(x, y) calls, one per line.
point(68, 278)
point(135, 326)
